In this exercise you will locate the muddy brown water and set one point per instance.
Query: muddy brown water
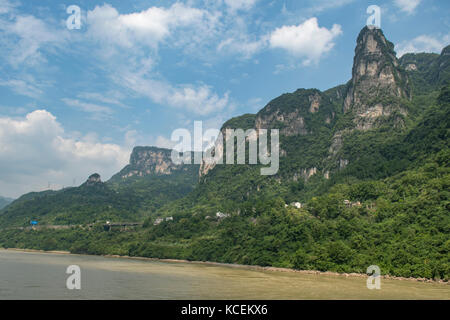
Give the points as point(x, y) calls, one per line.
point(31, 275)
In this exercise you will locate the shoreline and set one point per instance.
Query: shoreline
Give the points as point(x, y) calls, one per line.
point(230, 265)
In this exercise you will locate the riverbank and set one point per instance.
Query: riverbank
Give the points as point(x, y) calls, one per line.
point(249, 267)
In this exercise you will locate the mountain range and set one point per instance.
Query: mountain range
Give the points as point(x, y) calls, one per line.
point(363, 179)
point(137, 191)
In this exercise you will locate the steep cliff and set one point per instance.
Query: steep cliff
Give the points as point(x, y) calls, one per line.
point(378, 82)
point(146, 161)
point(349, 130)
point(94, 180)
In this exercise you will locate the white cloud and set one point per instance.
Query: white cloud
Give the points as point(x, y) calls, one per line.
point(110, 98)
point(306, 40)
point(25, 87)
point(235, 5)
point(26, 37)
point(129, 45)
point(235, 38)
point(147, 27)
point(163, 142)
point(98, 112)
point(6, 6)
point(242, 46)
point(36, 150)
point(408, 6)
point(197, 99)
point(423, 43)
point(323, 5)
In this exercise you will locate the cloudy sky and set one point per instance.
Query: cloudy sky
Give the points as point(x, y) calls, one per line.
point(75, 101)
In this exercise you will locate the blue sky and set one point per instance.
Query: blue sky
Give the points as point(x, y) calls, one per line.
point(77, 101)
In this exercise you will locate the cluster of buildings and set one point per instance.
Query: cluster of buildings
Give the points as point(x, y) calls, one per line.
point(159, 220)
point(219, 215)
point(350, 204)
point(298, 205)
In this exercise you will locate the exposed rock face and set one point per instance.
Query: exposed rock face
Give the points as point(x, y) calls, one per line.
point(308, 173)
point(293, 123)
point(149, 160)
point(411, 67)
point(304, 174)
point(205, 167)
point(343, 163)
point(377, 90)
point(290, 112)
point(219, 150)
point(315, 103)
point(93, 179)
point(336, 143)
point(244, 122)
point(444, 65)
point(377, 80)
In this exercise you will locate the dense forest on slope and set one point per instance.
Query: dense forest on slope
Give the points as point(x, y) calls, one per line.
point(402, 225)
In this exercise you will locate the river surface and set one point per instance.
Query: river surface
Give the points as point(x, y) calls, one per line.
point(32, 275)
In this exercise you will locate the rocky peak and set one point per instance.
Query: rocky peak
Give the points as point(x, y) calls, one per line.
point(149, 160)
point(378, 81)
point(93, 179)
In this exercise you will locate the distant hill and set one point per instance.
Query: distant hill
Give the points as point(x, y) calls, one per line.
point(150, 181)
point(5, 201)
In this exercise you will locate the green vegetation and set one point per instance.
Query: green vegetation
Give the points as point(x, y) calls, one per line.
point(378, 196)
point(131, 200)
point(402, 225)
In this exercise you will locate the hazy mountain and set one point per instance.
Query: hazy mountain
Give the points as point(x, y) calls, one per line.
point(5, 201)
point(148, 182)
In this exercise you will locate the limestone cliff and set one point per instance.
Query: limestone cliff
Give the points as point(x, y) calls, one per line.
point(149, 161)
point(94, 179)
point(378, 82)
point(293, 113)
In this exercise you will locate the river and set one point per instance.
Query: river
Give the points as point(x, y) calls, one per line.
point(32, 275)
